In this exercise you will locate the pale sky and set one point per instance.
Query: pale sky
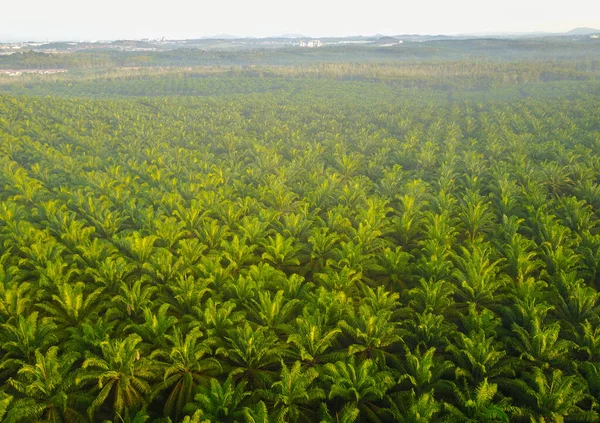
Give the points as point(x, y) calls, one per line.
point(178, 19)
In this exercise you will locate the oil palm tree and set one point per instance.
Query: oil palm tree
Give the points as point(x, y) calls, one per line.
point(221, 402)
point(478, 278)
point(478, 356)
point(21, 338)
point(184, 367)
point(252, 354)
point(425, 373)
point(155, 327)
point(312, 337)
point(281, 251)
point(294, 395)
point(121, 376)
point(372, 334)
point(479, 406)
point(551, 396)
point(48, 390)
point(71, 305)
point(273, 311)
point(421, 409)
point(358, 386)
point(540, 343)
point(475, 215)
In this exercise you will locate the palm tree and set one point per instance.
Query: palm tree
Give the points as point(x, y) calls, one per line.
point(254, 230)
point(164, 267)
point(237, 253)
point(14, 297)
point(169, 231)
point(185, 368)
point(296, 225)
point(428, 330)
point(358, 386)
point(550, 396)
point(409, 223)
point(477, 357)
point(281, 251)
point(293, 394)
point(195, 418)
point(349, 165)
point(23, 337)
point(576, 305)
point(521, 259)
point(121, 376)
point(191, 215)
point(138, 248)
point(431, 296)
point(49, 390)
point(312, 337)
point(212, 234)
point(372, 334)
point(425, 372)
point(111, 273)
point(590, 252)
point(479, 406)
point(421, 409)
point(539, 343)
point(87, 337)
point(187, 292)
point(154, 331)
point(477, 276)
point(71, 305)
point(591, 372)
point(577, 215)
point(92, 253)
point(395, 267)
point(588, 340)
point(555, 177)
point(322, 244)
point(344, 279)
point(221, 402)
point(133, 299)
point(435, 261)
point(475, 216)
point(5, 401)
point(271, 311)
point(211, 269)
point(253, 354)
point(260, 414)
point(190, 251)
point(505, 193)
point(216, 319)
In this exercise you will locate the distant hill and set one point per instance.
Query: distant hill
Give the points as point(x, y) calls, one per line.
point(292, 36)
point(583, 31)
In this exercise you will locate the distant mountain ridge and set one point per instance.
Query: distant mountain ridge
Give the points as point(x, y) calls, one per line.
point(224, 37)
point(583, 31)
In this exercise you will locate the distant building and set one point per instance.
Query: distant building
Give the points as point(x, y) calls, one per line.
point(310, 44)
point(594, 36)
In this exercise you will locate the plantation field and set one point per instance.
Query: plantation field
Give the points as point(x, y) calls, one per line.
point(410, 241)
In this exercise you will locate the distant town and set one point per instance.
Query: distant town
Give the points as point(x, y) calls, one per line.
point(230, 42)
point(162, 44)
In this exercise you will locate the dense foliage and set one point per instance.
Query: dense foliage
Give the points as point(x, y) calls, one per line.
point(329, 250)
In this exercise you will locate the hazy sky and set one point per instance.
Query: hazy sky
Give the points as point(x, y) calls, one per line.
point(112, 19)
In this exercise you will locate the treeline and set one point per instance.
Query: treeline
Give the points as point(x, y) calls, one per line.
point(455, 80)
point(548, 49)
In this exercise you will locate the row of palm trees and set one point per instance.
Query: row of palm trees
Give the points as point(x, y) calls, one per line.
point(299, 258)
